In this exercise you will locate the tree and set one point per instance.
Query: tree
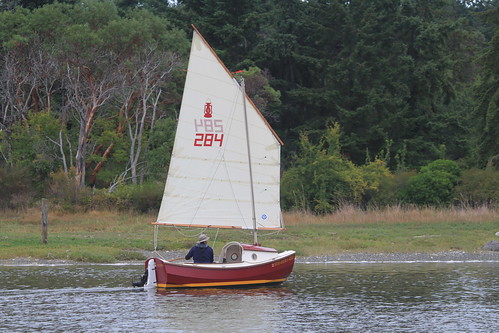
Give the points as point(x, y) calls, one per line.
point(33, 148)
point(32, 4)
point(148, 64)
point(486, 112)
point(392, 79)
point(230, 26)
point(77, 60)
point(88, 90)
point(27, 82)
point(400, 77)
point(149, 70)
point(381, 68)
point(261, 93)
point(161, 141)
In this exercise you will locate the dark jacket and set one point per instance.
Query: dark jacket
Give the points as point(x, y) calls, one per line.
point(201, 253)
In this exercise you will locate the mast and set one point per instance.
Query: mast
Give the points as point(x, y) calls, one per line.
point(253, 214)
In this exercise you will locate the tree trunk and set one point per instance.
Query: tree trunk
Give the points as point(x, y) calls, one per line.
point(81, 157)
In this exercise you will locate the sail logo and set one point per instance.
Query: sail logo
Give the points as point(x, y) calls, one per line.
point(209, 132)
point(208, 111)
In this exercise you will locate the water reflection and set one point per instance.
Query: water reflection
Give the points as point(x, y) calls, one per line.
point(279, 291)
point(226, 309)
point(421, 297)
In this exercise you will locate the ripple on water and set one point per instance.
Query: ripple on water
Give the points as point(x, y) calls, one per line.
point(389, 297)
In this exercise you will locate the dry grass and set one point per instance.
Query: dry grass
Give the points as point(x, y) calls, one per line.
point(101, 218)
point(106, 236)
point(394, 214)
point(347, 214)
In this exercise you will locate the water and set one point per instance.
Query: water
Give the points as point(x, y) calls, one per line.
point(396, 297)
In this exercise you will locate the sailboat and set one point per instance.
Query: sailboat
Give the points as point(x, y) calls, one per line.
point(224, 173)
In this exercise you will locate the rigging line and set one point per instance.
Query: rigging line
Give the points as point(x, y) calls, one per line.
point(155, 239)
point(156, 231)
point(216, 236)
point(266, 233)
point(179, 230)
point(159, 255)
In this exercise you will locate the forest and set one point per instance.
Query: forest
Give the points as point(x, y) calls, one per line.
point(378, 102)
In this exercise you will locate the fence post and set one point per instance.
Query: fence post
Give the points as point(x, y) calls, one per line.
point(45, 208)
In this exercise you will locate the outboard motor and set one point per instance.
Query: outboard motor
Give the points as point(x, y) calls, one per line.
point(148, 280)
point(142, 281)
point(151, 275)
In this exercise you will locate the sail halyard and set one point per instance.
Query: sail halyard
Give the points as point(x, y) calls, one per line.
point(208, 181)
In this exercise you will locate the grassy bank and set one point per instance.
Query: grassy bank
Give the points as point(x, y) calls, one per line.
point(112, 236)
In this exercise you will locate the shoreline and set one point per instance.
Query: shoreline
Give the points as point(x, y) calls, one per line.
point(338, 258)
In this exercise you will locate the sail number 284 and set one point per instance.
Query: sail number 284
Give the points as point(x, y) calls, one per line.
point(209, 132)
point(208, 139)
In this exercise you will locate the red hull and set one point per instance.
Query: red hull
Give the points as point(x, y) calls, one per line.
point(172, 275)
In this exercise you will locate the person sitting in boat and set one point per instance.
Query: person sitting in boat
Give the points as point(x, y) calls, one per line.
point(201, 252)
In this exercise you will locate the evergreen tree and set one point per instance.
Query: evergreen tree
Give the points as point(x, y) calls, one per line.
point(486, 113)
point(230, 26)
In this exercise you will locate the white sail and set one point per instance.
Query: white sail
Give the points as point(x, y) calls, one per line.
point(208, 181)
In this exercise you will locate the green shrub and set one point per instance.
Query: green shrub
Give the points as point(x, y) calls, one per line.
point(142, 198)
point(321, 178)
point(376, 174)
point(147, 197)
point(429, 188)
point(64, 191)
point(478, 187)
point(434, 184)
point(390, 190)
point(448, 166)
point(121, 197)
point(16, 189)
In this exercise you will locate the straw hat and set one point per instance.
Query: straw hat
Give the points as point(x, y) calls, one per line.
point(203, 238)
